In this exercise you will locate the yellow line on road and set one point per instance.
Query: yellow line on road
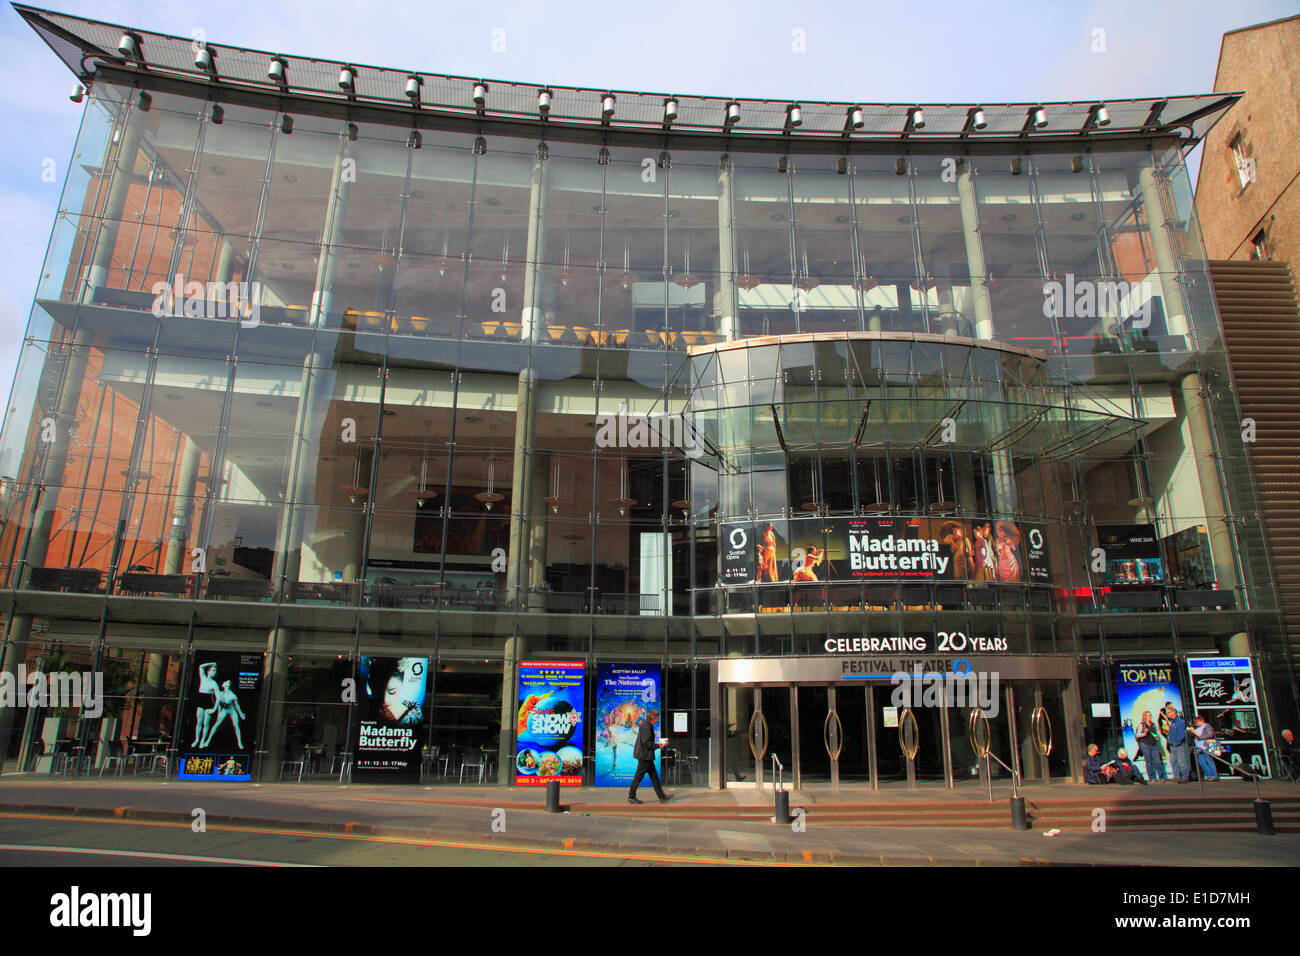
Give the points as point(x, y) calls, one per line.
point(407, 841)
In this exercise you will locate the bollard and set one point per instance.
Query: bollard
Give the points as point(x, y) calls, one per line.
point(1018, 820)
point(553, 796)
point(1264, 817)
point(783, 807)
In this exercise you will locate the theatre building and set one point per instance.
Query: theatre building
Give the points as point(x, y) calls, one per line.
point(429, 427)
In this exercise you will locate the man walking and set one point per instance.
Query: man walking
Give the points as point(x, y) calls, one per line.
point(1179, 761)
point(644, 752)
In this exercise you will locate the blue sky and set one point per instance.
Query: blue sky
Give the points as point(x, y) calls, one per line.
point(913, 51)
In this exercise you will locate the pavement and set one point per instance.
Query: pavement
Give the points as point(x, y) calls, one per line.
point(698, 825)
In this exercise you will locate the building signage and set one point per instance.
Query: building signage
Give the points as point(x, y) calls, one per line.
point(625, 693)
point(865, 549)
point(387, 742)
point(1223, 692)
point(548, 731)
point(1145, 690)
point(1132, 553)
point(944, 642)
point(217, 734)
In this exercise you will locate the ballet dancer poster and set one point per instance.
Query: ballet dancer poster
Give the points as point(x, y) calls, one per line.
point(220, 720)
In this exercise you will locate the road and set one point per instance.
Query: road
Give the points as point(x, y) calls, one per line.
point(52, 841)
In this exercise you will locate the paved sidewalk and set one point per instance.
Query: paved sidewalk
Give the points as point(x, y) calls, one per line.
point(696, 824)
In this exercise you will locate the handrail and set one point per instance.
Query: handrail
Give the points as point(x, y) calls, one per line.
point(777, 772)
point(1232, 768)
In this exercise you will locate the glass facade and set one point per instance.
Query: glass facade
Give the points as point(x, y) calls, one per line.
point(321, 390)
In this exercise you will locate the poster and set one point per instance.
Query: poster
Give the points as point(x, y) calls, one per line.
point(1132, 554)
point(625, 693)
point(1223, 692)
point(1146, 688)
point(852, 549)
point(220, 720)
point(1190, 562)
point(549, 731)
point(390, 697)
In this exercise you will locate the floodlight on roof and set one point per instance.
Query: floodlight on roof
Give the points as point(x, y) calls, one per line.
point(480, 95)
point(607, 106)
point(916, 118)
point(203, 59)
point(733, 114)
point(347, 79)
point(670, 110)
point(544, 101)
point(413, 87)
point(275, 70)
point(855, 120)
point(127, 46)
point(78, 93)
point(977, 118)
point(793, 115)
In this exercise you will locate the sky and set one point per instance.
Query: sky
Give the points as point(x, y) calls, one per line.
point(924, 52)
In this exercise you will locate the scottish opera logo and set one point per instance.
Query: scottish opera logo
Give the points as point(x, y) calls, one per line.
point(84, 690)
point(1098, 298)
point(960, 687)
point(209, 300)
point(739, 538)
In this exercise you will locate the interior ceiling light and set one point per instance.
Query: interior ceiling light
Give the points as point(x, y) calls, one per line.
point(665, 160)
point(543, 151)
point(218, 114)
point(1076, 164)
point(733, 114)
point(415, 140)
point(842, 165)
point(900, 166)
point(670, 110)
point(480, 146)
point(544, 101)
point(145, 101)
point(782, 164)
point(286, 124)
point(602, 157)
point(352, 132)
point(347, 79)
point(607, 106)
point(1016, 166)
point(480, 95)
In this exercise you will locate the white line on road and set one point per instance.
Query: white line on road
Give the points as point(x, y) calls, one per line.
point(147, 856)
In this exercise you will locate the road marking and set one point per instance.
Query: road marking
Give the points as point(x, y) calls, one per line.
point(183, 857)
point(404, 841)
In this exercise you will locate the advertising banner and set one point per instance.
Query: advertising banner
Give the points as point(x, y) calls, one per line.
point(625, 693)
point(391, 700)
point(548, 734)
point(864, 549)
point(1223, 692)
point(220, 722)
point(1132, 553)
point(1190, 562)
point(1145, 692)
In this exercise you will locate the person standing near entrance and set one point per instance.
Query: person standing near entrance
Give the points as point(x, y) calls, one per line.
point(1179, 761)
point(644, 752)
point(1148, 740)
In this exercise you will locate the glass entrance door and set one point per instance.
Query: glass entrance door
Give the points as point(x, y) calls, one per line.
point(777, 715)
point(910, 746)
point(814, 713)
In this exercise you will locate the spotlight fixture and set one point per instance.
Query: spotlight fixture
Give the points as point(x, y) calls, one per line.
point(977, 119)
point(543, 151)
point(1076, 164)
point(203, 60)
point(1016, 166)
point(218, 114)
point(78, 93)
point(351, 131)
point(347, 79)
point(916, 118)
point(145, 101)
point(602, 157)
point(665, 160)
point(900, 166)
point(544, 101)
point(1103, 116)
point(275, 71)
point(415, 140)
point(1039, 117)
point(793, 116)
point(842, 165)
point(733, 114)
point(480, 146)
point(286, 124)
point(413, 88)
point(855, 120)
point(127, 46)
point(607, 106)
point(670, 110)
point(480, 95)
point(782, 164)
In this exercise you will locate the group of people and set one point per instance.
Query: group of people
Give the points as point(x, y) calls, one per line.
point(1173, 729)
